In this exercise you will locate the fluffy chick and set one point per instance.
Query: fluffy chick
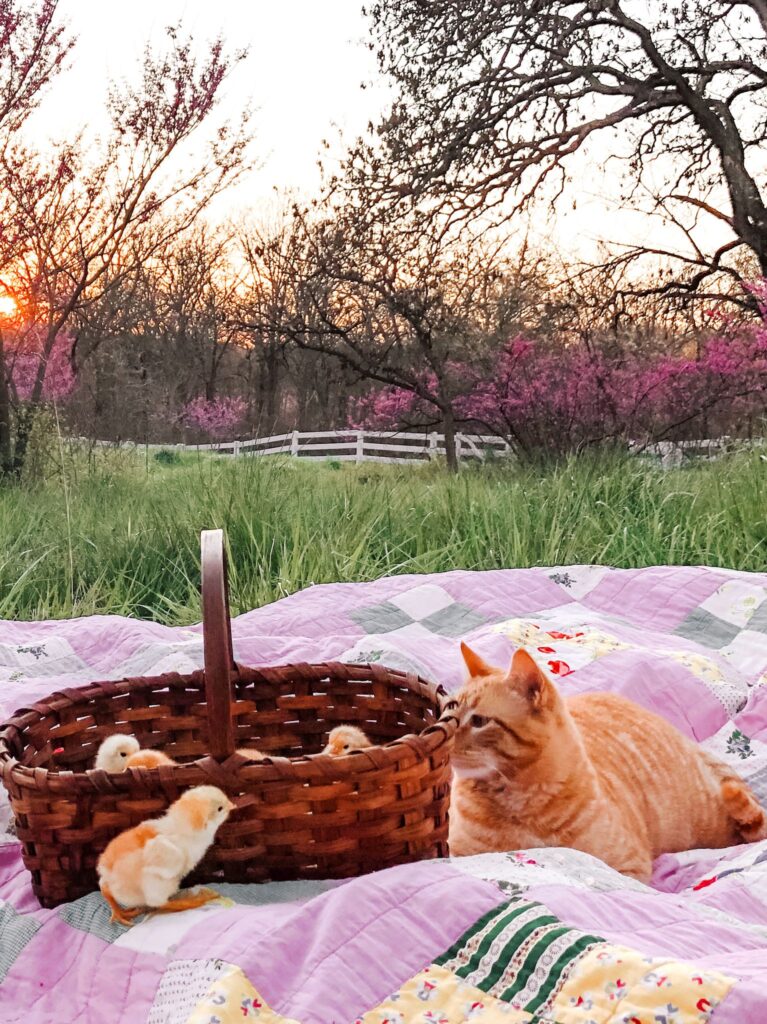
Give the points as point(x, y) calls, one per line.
point(345, 738)
point(114, 752)
point(119, 752)
point(148, 759)
point(142, 868)
point(252, 753)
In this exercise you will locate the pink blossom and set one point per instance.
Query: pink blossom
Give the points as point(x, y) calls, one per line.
point(558, 397)
point(24, 356)
point(213, 416)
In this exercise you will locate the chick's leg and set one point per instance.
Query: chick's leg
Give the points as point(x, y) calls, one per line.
point(190, 902)
point(121, 915)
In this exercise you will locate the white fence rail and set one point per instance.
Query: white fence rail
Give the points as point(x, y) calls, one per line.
point(673, 454)
point(343, 446)
point(403, 447)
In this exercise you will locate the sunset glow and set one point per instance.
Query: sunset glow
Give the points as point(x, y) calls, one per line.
point(8, 306)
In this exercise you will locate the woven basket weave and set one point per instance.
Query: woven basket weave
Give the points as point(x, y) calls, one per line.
point(300, 813)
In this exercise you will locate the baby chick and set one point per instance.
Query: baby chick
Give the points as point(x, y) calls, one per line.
point(114, 752)
point(119, 752)
point(142, 868)
point(345, 738)
point(251, 753)
point(148, 759)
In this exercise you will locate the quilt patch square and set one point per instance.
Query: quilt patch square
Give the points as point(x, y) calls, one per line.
point(736, 602)
point(758, 621)
point(520, 953)
point(578, 580)
point(455, 620)
point(707, 629)
point(232, 999)
point(748, 650)
point(16, 931)
point(420, 602)
point(381, 618)
point(614, 984)
point(431, 609)
point(92, 915)
point(437, 996)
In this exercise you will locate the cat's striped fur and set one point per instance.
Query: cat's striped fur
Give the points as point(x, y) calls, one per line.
point(596, 772)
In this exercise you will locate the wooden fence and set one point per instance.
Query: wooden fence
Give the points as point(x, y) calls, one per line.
point(383, 446)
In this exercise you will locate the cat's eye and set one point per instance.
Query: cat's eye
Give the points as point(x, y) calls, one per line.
point(478, 721)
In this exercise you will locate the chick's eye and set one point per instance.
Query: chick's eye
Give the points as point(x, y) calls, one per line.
point(346, 746)
point(123, 754)
point(478, 721)
point(221, 807)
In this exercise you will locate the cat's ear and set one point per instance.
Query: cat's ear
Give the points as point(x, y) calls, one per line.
point(527, 677)
point(477, 666)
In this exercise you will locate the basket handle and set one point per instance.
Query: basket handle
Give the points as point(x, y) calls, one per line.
point(217, 643)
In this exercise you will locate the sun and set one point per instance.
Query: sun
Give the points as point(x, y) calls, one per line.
point(8, 305)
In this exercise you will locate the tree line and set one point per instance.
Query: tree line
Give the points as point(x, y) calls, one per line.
point(407, 292)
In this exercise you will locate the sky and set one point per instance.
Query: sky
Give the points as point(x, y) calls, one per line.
point(307, 60)
point(306, 63)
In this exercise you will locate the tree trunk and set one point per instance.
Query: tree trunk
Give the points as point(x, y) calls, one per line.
point(451, 456)
point(6, 450)
point(26, 416)
point(211, 384)
point(272, 381)
point(24, 421)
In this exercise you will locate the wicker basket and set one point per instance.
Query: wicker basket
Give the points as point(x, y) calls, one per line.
point(300, 813)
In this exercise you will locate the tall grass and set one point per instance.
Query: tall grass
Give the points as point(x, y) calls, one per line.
point(124, 538)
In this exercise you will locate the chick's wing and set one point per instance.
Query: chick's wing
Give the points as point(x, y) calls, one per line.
point(164, 858)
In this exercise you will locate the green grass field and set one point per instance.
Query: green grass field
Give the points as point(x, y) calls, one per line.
point(122, 536)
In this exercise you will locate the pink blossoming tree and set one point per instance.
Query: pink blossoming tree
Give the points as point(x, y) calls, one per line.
point(543, 396)
point(216, 416)
point(79, 220)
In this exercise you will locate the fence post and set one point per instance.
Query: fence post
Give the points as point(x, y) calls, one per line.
point(458, 447)
point(432, 445)
point(236, 449)
point(360, 446)
point(294, 443)
point(670, 455)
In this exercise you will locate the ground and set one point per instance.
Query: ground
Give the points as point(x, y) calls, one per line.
point(120, 533)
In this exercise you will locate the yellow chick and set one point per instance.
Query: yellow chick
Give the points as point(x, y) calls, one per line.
point(119, 752)
point(252, 753)
point(142, 868)
point(114, 752)
point(345, 738)
point(148, 759)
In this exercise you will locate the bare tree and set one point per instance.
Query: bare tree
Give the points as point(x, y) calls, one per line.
point(265, 306)
point(194, 291)
point(397, 304)
point(497, 97)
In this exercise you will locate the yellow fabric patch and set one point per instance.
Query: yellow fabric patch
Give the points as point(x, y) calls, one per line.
point(701, 666)
point(528, 633)
point(616, 985)
point(437, 996)
point(232, 998)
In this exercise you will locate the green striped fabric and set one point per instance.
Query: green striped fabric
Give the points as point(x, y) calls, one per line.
point(520, 953)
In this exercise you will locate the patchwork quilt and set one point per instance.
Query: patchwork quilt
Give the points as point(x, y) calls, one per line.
point(520, 937)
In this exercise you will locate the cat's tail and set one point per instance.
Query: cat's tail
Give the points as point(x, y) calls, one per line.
point(740, 803)
point(744, 809)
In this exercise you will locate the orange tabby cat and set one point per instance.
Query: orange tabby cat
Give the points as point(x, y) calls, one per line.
point(595, 772)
